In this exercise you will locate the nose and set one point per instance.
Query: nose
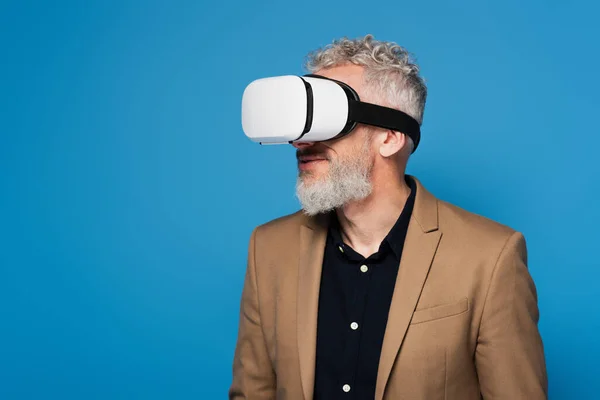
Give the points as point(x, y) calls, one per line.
point(302, 145)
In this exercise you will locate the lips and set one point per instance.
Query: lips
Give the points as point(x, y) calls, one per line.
point(309, 162)
point(310, 159)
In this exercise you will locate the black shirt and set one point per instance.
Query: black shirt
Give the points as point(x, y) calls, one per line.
point(354, 301)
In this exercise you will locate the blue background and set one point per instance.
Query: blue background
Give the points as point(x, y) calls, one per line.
point(129, 190)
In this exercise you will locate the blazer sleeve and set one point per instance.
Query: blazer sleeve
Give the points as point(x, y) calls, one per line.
point(510, 356)
point(253, 374)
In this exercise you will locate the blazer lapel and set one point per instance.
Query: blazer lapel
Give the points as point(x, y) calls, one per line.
point(420, 245)
point(312, 246)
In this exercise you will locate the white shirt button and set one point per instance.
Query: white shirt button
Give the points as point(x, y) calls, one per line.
point(364, 268)
point(341, 249)
point(346, 388)
point(354, 326)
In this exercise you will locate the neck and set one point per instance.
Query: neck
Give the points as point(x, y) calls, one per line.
point(365, 223)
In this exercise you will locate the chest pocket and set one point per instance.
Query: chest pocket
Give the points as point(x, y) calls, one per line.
point(441, 311)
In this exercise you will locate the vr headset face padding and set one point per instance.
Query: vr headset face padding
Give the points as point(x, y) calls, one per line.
point(312, 108)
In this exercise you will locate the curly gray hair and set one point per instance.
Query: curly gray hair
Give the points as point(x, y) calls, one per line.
point(391, 75)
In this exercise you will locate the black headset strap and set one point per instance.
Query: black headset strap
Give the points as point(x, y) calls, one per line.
point(384, 117)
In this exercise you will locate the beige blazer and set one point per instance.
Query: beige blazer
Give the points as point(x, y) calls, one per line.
point(462, 322)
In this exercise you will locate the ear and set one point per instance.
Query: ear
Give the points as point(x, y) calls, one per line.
point(394, 142)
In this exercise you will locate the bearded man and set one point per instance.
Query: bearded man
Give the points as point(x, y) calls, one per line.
point(376, 289)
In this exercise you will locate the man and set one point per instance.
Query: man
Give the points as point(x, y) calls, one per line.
point(376, 289)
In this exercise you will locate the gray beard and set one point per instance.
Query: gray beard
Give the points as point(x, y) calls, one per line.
point(347, 180)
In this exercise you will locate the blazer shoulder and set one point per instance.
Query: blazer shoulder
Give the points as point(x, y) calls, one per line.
point(283, 225)
point(276, 245)
point(472, 225)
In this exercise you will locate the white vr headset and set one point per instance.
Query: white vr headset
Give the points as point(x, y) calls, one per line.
point(312, 108)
